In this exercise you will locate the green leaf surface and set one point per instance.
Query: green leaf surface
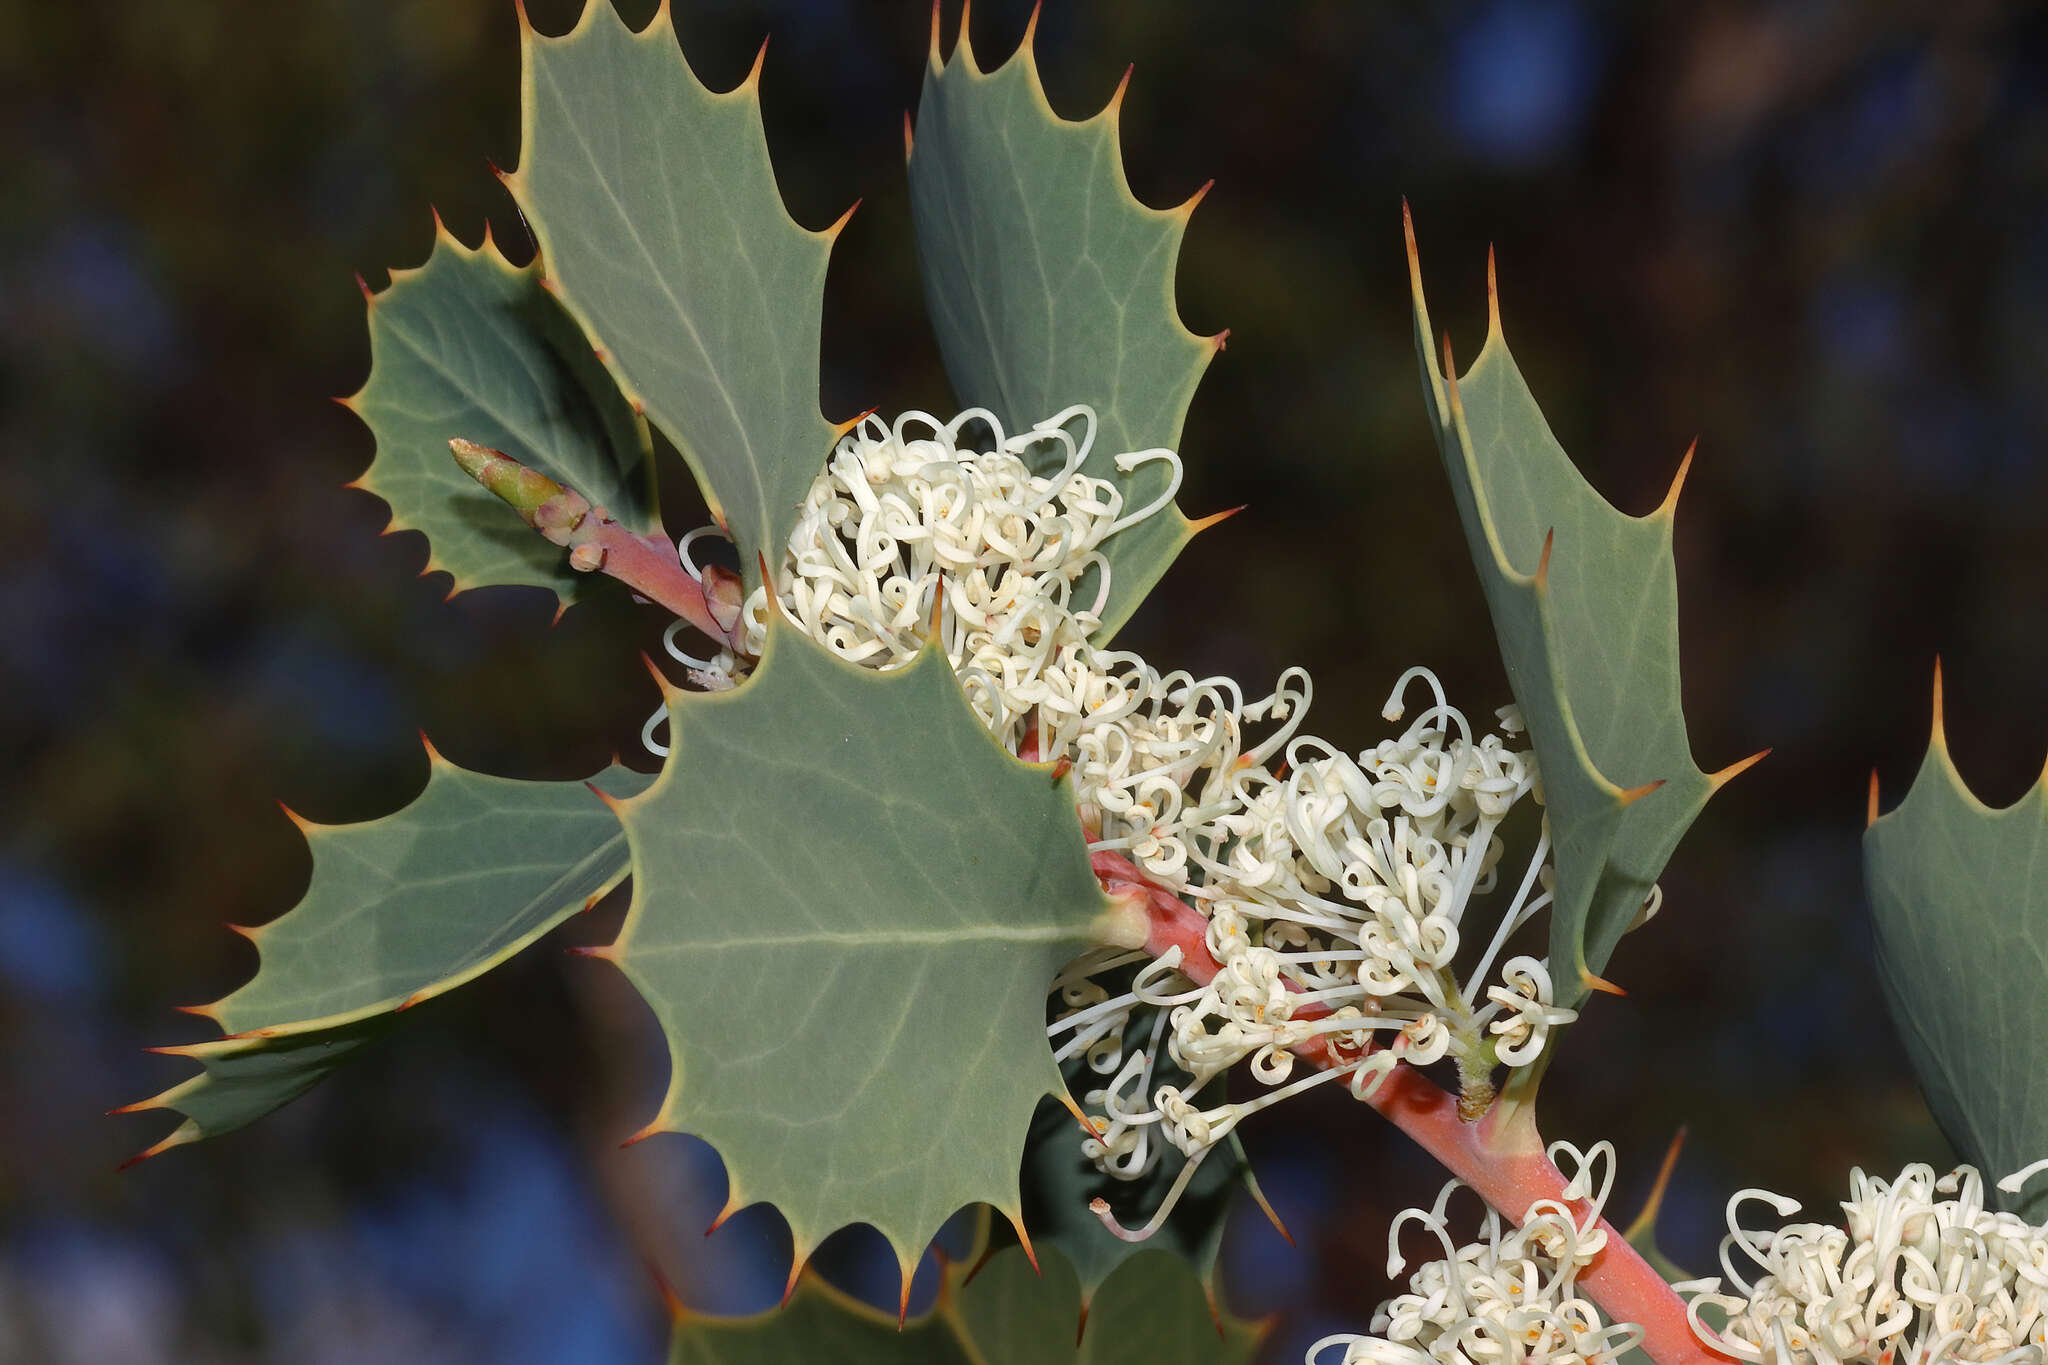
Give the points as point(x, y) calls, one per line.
point(1584, 600)
point(399, 910)
point(661, 226)
point(469, 345)
point(1959, 892)
point(1049, 284)
point(848, 904)
point(1151, 1310)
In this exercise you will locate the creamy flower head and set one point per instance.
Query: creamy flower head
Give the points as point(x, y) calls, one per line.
point(1507, 1298)
point(1921, 1271)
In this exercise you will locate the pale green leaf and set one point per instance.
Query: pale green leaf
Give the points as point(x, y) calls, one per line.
point(1152, 1309)
point(469, 345)
point(1584, 601)
point(1049, 284)
point(399, 910)
point(848, 904)
point(1959, 892)
point(660, 224)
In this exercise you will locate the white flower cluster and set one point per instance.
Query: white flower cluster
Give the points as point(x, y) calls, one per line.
point(1914, 1278)
point(1334, 887)
point(1506, 1299)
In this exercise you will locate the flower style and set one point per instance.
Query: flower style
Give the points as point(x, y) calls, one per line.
point(1334, 887)
point(1507, 1298)
point(1912, 1279)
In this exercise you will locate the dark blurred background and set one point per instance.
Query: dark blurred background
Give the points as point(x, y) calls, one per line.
point(1807, 233)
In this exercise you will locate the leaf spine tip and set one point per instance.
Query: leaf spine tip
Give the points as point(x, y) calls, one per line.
point(1114, 110)
point(935, 628)
point(1542, 579)
point(1030, 28)
point(935, 59)
point(304, 826)
point(840, 429)
point(909, 1273)
point(207, 1012)
point(157, 1149)
point(1221, 341)
point(752, 83)
point(1087, 1125)
point(176, 1049)
point(1215, 1310)
point(1870, 811)
point(415, 998)
point(909, 137)
point(1266, 1207)
point(669, 691)
point(1193, 201)
point(561, 610)
point(645, 1133)
point(1635, 794)
point(678, 1311)
point(1081, 1325)
point(797, 1258)
point(1414, 256)
point(1939, 736)
point(1648, 1217)
point(137, 1107)
point(1024, 1240)
point(1669, 507)
point(1737, 768)
point(369, 295)
point(732, 1206)
point(1492, 297)
point(435, 758)
point(768, 586)
point(832, 233)
point(1196, 527)
point(1599, 983)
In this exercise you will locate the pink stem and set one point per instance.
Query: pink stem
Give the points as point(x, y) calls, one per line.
point(1501, 1156)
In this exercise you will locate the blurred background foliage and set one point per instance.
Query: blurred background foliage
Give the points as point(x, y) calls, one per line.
point(1808, 233)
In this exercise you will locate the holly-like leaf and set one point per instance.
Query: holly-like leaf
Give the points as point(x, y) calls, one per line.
point(471, 346)
point(848, 903)
point(1049, 284)
point(1584, 601)
point(1959, 892)
point(399, 910)
point(1152, 1309)
point(662, 229)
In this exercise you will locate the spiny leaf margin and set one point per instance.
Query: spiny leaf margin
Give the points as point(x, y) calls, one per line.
point(469, 345)
point(283, 1040)
point(1959, 898)
point(1588, 632)
point(958, 881)
point(990, 159)
point(728, 368)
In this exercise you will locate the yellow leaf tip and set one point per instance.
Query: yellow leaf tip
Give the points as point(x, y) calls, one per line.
point(1737, 769)
point(1599, 983)
point(1492, 296)
point(1202, 524)
point(1870, 811)
point(1939, 736)
point(1635, 794)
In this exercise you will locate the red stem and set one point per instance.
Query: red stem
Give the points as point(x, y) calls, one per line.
point(1501, 1156)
